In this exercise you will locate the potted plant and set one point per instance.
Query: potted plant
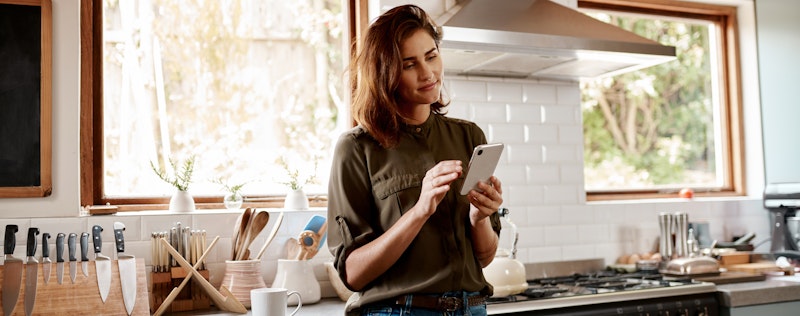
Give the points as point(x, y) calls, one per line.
point(233, 198)
point(296, 198)
point(181, 201)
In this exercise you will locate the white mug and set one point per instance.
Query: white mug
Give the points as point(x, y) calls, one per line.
point(272, 301)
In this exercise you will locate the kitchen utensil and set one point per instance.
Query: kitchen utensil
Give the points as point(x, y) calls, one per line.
point(12, 272)
point(223, 299)
point(271, 236)
point(782, 200)
point(175, 291)
point(60, 257)
point(292, 248)
point(46, 262)
point(241, 232)
point(31, 271)
point(127, 268)
point(102, 264)
point(665, 240)
point(257, 223)
point(73, 264)
point(312, 236)
point(85, 253)
point(297, 275)
point(692, 266)
point(272, 301)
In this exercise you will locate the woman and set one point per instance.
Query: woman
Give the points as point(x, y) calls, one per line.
point(404, 239)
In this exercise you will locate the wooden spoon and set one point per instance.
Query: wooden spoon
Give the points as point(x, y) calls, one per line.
point(271, 236)
point(257, 223)
point(241, 230)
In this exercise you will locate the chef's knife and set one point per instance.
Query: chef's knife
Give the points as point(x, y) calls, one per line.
point(85, 253)
point(46, 262)
point(102, 263)
point(73, 264)
point(31, 271)
point(12, 272)
point(60, 257)
point(127, 269)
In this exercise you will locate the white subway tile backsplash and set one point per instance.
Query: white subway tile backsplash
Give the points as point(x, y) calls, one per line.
point(504, 92)
point(561, 114)
point(540, 174)
point(465, 90)
point(511, 175)
point(571, 174)
point(554, 154)
point(524, 154)
point(506, 133)
point(524, 113)
point(544, 254)
point(491, 112)
point(578, 252)
point(561, 235)
point(525, 195)
point(542, 134)
point(569, 94)
point(570, 134)
point(560, 194)
point(577, 214)
point(536, 93)
point(595, 233)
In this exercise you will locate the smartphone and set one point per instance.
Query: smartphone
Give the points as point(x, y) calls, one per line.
point(481, 165)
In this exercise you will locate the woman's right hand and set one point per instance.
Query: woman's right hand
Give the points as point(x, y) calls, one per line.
point(436, 184)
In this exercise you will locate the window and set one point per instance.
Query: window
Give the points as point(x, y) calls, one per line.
point(253, 90)
point(652, 132)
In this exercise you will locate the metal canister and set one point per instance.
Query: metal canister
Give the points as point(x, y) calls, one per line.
point(681, 227)
point(665, 222)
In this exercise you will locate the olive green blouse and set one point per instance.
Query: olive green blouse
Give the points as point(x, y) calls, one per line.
point(371, 187)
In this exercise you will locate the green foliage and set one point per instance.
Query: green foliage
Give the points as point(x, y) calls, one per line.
point(294, 179)
point(182, 178)
point(232, 189)
point(656, 120)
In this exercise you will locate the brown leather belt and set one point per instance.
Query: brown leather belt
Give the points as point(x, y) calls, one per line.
point(446, 304)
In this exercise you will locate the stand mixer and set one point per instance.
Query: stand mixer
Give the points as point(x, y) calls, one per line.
point(782, 200)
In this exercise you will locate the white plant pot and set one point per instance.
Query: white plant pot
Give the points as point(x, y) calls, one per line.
point(296, 200)
point(181, 201)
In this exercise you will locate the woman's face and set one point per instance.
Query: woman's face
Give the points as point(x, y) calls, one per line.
point(421, 70)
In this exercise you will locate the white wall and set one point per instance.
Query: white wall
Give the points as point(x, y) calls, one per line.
point(542, 172)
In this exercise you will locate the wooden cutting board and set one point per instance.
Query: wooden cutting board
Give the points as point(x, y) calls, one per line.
point(755, 267)
point(733, 277)
point(83, 297)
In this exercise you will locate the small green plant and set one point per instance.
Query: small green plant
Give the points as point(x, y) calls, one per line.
point(182, 177)
point(232, 189)
point(295, 180)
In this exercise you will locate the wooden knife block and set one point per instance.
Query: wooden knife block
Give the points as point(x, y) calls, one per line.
point(191, 298)
point(83, 297)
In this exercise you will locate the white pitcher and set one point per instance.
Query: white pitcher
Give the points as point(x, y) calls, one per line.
point(297, 275)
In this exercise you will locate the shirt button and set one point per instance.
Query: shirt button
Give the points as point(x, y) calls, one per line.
point(418, 129)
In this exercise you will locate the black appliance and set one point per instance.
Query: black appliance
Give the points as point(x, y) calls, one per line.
point(782, 200)
point(610, 292)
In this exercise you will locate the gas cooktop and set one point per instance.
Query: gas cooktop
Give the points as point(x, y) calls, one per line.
point(596, 288)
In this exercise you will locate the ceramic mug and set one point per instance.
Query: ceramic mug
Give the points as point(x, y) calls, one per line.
point(272, 301)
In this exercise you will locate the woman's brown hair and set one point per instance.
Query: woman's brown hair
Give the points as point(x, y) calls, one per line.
point(375, 71)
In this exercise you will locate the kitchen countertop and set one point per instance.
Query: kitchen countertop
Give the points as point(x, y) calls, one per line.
point(774, 289)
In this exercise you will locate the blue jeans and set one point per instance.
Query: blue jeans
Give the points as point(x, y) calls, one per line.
point(397, 310)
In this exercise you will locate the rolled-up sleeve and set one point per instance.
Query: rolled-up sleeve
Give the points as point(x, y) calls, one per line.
point(350, 199)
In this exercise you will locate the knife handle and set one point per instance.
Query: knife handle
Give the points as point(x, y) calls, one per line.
point(60, 247)
point(119, 239)
point(84, 246)
point(11, 239)
point(45, 247)
point(71, 246)
point(31, 249)
point(97, 241)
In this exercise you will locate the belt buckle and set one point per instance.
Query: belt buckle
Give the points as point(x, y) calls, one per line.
point(450, 304)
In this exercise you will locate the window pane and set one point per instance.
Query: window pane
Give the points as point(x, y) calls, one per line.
point(658, 128)
point(238, 84)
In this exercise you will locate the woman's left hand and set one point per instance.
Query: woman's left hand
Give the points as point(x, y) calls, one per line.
point(483, 204)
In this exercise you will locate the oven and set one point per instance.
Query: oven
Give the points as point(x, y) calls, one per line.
point(610, 293)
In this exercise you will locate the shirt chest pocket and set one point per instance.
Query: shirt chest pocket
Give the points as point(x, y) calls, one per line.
point(398, 192)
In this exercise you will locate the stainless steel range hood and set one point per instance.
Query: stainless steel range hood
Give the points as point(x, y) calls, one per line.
point(540, 39)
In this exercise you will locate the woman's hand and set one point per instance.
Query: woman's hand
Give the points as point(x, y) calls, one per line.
point(436, 184)
point(487, 202)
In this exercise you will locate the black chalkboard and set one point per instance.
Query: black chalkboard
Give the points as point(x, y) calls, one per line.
point(25, 149)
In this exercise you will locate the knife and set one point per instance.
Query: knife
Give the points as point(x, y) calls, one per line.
point(127, 269)
point(60, 257)
point(46, 262)
point(102, 264)
point(31, 271)
point(73, 265)
point(12, 274)
point(84, 253)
